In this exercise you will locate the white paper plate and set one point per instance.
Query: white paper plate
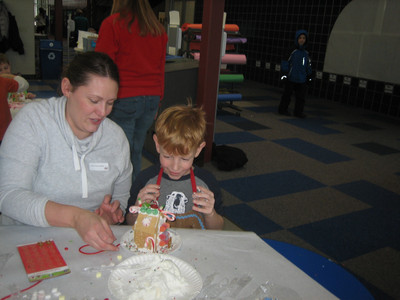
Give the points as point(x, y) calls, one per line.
point(119, 282)
point(126, 242)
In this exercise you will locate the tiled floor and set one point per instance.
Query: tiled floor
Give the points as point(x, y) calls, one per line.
point(329, 183)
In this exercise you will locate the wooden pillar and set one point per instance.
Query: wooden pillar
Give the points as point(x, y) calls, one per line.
point(209, 66)
point(59, 20)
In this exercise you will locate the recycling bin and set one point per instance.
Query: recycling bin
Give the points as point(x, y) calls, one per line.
point(51, 58)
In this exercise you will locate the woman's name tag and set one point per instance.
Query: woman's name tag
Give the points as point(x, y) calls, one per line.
point(99, 167)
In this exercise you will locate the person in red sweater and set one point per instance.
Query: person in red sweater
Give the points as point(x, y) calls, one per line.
point(10, 84)
point(134, 38)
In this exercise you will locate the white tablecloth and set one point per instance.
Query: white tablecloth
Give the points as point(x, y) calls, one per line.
point(227, 254)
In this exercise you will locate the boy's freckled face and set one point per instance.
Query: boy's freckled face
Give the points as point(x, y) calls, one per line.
point(5, 68)
point(175, 166)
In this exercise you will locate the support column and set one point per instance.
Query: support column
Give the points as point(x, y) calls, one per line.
point(209, 66)
point(59, 20)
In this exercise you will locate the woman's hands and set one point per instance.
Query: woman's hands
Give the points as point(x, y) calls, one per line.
point(110, 211)
point(93, 227)
point(95, 231)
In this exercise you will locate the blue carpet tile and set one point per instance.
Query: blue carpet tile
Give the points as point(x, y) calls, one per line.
point(45, 94)
point(38, 83)
point(359, 232)
point(228, 117)
point(354, 234)
point(371, 194)
point(377, 148)
point(235, 138)
point(249, 125)
point(246, 124)
point(261, 98)
point(53, 84)
point(311, 150)
point(269, 185)
point(262, 109)
point(249, 219)
point(315, 125)
point(238, 121)
point(363, 126)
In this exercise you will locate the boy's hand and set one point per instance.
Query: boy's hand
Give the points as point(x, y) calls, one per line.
point(204, 201)
point(149, 193)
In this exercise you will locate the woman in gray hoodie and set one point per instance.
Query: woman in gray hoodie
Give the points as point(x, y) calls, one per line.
point(63, 163)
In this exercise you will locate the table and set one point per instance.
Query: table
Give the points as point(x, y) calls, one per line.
point(226, 254)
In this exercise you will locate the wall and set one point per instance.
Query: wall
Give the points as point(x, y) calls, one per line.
point(185, 8)
point(269, 27)
point(24, 15)
point(365, 41)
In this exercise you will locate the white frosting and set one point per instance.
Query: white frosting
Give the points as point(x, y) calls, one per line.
point(162, 281)
point(146, 222)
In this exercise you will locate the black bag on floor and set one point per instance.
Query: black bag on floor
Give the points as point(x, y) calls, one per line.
point(228, 158)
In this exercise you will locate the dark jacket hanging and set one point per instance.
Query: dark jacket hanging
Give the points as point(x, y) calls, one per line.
point(14, 39)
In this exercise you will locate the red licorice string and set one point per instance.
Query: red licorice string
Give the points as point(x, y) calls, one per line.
point(88, 253)
point(23, 290)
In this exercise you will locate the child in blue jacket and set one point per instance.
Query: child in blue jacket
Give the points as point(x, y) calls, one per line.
point(296, 73)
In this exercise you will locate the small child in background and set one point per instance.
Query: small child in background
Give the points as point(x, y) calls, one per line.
point(297, 72)
point(8, 85)
point(5, 67)
point(191, 193)
point(5, 71)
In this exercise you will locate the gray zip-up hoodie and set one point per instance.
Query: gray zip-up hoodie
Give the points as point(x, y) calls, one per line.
point(41, 160)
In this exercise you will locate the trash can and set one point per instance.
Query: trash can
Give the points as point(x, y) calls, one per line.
point(51, 58)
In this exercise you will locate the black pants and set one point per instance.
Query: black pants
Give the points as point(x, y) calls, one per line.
point(300, 90)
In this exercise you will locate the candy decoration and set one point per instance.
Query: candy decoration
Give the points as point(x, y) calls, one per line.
point(195, 216)
point(151, 209)
point(170, 216)
point(134, 209)
point(88, 253)
point(146, 222)
point(149, 238)
point(164, 227)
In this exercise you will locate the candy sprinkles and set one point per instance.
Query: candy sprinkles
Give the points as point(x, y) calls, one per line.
point(54, 294)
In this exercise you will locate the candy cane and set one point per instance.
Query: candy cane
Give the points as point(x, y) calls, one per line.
point(170, 216)
point(152, 243)
point(134, 209)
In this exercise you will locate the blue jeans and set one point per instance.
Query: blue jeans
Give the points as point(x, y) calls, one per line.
point(135, 115)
